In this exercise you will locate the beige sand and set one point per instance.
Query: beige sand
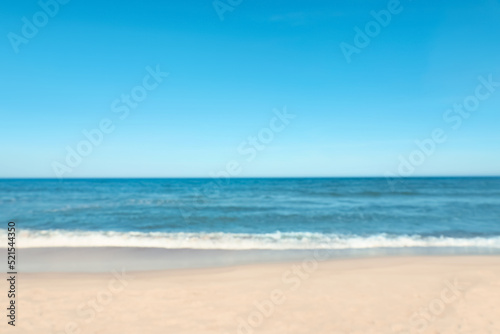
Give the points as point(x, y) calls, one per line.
point(377, 295)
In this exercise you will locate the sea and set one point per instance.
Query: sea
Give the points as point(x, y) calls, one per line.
point(254, 213)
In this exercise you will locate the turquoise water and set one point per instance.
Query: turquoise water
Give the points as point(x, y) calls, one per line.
point(266, 213)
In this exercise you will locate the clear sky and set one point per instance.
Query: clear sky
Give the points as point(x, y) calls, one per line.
point(66, 71)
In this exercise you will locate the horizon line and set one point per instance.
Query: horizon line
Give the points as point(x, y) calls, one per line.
point(247, 177)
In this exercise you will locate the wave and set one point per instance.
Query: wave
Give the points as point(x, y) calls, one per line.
point(361, 193)
point(239, 241)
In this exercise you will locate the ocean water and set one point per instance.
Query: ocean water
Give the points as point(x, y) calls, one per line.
point(265, 213)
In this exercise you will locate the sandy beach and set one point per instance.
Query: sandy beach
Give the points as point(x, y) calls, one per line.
point(415, 294)
point(250, 167)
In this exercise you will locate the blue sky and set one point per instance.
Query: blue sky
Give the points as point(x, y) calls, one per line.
point(225, 78)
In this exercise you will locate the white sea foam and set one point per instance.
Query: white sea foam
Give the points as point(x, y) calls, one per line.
point(239, 241)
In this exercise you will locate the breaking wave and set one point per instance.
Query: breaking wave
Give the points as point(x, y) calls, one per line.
point(240, 241)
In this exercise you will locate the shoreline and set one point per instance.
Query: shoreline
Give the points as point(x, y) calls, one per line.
point(100, 259)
